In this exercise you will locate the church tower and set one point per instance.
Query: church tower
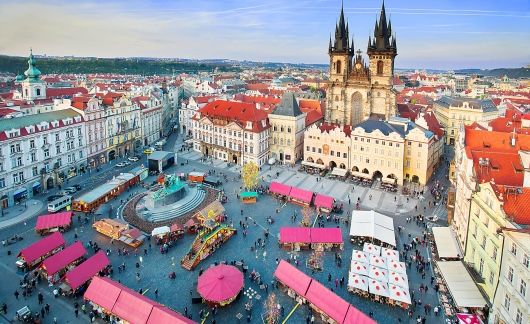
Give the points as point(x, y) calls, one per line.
point(382, 51)
point(33, 87)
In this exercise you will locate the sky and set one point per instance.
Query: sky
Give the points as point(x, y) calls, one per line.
point(446, 34)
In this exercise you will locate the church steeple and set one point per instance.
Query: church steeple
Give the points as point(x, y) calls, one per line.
point(32, 72)
point(33, 87)
point(382, 34)
point(342, 32)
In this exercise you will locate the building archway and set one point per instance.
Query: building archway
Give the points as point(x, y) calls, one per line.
point(310, 159)
point(415, 179)
point(365, 171)
point(234, 159)
point(355, 169)
point(332, 165)
point(377, 175)
point(342, 166)
point(49, 183)
point(112, 155)
point(319, 161)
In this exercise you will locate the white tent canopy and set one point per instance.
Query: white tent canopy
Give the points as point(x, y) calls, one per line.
point(446, 243)
point(398, 279)
point(390, 254)
point(462, 287)
point(160, 230)
point(361, 175)
point(360, 256)
point(357, 281)
point(359, 268)
point(371, 249)
point(399, 294)
point(313, 165)
point(397, 266)
point(378, 274)
point(374, 225)
point(378, 261)
point(378, 288)
point(339, 172)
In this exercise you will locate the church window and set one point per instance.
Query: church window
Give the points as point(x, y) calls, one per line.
point(339, 67)
point(38, 92)
point(380, 67)
point(319, 150)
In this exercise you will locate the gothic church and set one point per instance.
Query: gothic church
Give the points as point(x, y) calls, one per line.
point(357, 91)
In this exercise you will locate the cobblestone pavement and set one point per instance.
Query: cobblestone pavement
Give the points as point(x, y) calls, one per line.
point(154, 267)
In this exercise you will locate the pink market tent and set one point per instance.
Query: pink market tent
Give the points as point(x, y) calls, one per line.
point(468, 318)
point(327, 301)
point(331, 235)
point(357, 281)
point(293, 278)
point(323, 201)
point(397, 266)
point(42, 247)
point(45, 222)
point(359, 268)
point(63, 258)
point(301, 194)
point(398, 279)
point(378, 288)
point(132, 307)
point(220, 283)
point(86, 270)
point(360, 256)
point(279, 188)
point(398, 294)
point(295, 235)
point(355, 316)
point(378, 274)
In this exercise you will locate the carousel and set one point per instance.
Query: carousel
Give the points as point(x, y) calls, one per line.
point(220, 285)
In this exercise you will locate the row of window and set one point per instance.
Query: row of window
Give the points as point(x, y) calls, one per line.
point(518, 313)
point(281, 128)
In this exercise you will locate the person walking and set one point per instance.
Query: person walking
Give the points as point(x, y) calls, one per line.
point(40, 297)
point(47, 308)
point(76, 312)
point(16, 294)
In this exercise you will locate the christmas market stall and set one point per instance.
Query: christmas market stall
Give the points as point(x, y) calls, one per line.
point(220, 285)
point(370, 226)
point(295, 238)
point(357, 283)
point(360, 256)
point(279, 190)
point(54, 267)
point(115, 302)
point(31, 256)
point(300, 196)
point(292, 280)
point(359, 268)
point(249, 197)
point(119, 230)
point(76, 278)
point(54, 222)
point(324, 203)
point(326, 238)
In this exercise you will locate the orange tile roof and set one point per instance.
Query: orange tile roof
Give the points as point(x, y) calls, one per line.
point(516, 203)
point(240, 112)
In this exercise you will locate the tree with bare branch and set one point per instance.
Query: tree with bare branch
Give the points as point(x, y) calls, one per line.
point(307, 213)
point(272, 313)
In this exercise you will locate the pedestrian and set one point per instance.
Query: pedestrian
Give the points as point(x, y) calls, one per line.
point(40, 297)
point(329, 277)
point(83, 308)
point(436, 310)
point(186, 311)
point(336, 282)
point(16, 294)
point(55, 320)
point(4, 308)
point(156, 292)
point(42, 312)
point(76, 312)
point(47, 308)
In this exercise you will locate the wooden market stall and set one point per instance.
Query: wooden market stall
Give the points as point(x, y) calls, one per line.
point(300, 196)
point(279, 189)
point(324, 203)
point(298, 238)
point(83, 273)
point(326, 238)
point(119, 230)
point(54, 222)
point(295, 238)
point(31, 256)
point(249, 197)
point(91, 200)
point(54, 267)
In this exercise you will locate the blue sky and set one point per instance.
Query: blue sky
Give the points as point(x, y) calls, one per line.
point(430, 34)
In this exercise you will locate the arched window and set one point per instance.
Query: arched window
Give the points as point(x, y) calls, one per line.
point(38, 92)
point(339, 66)
point(380, 67)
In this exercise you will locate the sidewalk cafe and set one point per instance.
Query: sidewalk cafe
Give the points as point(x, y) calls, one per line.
point(361, 178)
point(327, 304)
point(32, 255)
point(338, 172)
point(54, 222)
point(54, 267)
point(114, 302)
point(445, 245)
point(75, 279)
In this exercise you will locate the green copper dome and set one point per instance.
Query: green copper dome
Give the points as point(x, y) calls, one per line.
point(19, 77)
point(32, 72)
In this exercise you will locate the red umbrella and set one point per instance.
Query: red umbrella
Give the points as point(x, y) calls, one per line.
point(220, 283)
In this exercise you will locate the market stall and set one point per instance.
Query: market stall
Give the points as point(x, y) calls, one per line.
point(398, 279)
point(31, 256)
point(359, 268)
point(460, 284)
point(397, 266)
point(390, 254)
point(78, 276)
point(357, 282)
point(300, 196)
point(360, 256)
point(324, 203)
point(220, 285)
point(372, 226)
point(54, 222)
point(119, 230)
point(371, 249)
point(295, 238)
point(249, 197)
point(399, 295)
point(279, 189)
point(378, 261)
point(326, 238)
point(293, 280)
point(54, 267)
point(446, 244)
point(378, 274)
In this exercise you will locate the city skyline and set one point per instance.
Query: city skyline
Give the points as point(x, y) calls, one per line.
point(429, 35)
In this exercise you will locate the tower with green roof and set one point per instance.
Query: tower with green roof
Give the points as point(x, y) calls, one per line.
point(32, 86)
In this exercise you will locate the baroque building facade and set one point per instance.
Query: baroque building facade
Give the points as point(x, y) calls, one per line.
point(356, 90)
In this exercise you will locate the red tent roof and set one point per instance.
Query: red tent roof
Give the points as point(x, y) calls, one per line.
point(63, 258)
point(53, 220)
point(132, 307)
point(327, 301)
point(323, 201)
point(86, 270)
point(326, 235)
point(164, 315)
point(220, 283)
point(295, 235)
point(292, 277)
point(301, 194)
point(355, 316)
point(279, 188)
point(42, 247)
point(103, 292)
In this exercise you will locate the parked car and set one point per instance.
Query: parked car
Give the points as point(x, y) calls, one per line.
point(133, 159)
point(148, 151)
point(126, 163)
point(70, 190)
point(120, 165)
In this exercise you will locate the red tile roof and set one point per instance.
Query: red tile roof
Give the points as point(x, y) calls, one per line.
point(240, 112)
point(65, 92)
point(517, 205)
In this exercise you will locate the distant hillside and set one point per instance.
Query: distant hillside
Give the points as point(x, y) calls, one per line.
point(511, 73)
point(143, 66)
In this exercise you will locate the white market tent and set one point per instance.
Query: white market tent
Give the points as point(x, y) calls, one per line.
point(390, 254)
point(378, 288)
point(462, 287)
point(162, 230)
point(378, 261)
point(339, 172)
point(357, 281)
point(378, 274)
point(359, 268)
point(371, 249)
point(374, 225)
point(398, 279)
point(399, 294)
point(446, 243)
point(397, 266)
point(360, 256)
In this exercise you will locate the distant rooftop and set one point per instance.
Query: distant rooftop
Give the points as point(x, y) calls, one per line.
point(24, 121)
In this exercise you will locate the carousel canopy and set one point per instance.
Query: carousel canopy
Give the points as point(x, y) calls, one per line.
point(160, 230)
point(374, 225)
point(220, 283)
point(359, 268)
point(399, 294)
point(357, 281)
